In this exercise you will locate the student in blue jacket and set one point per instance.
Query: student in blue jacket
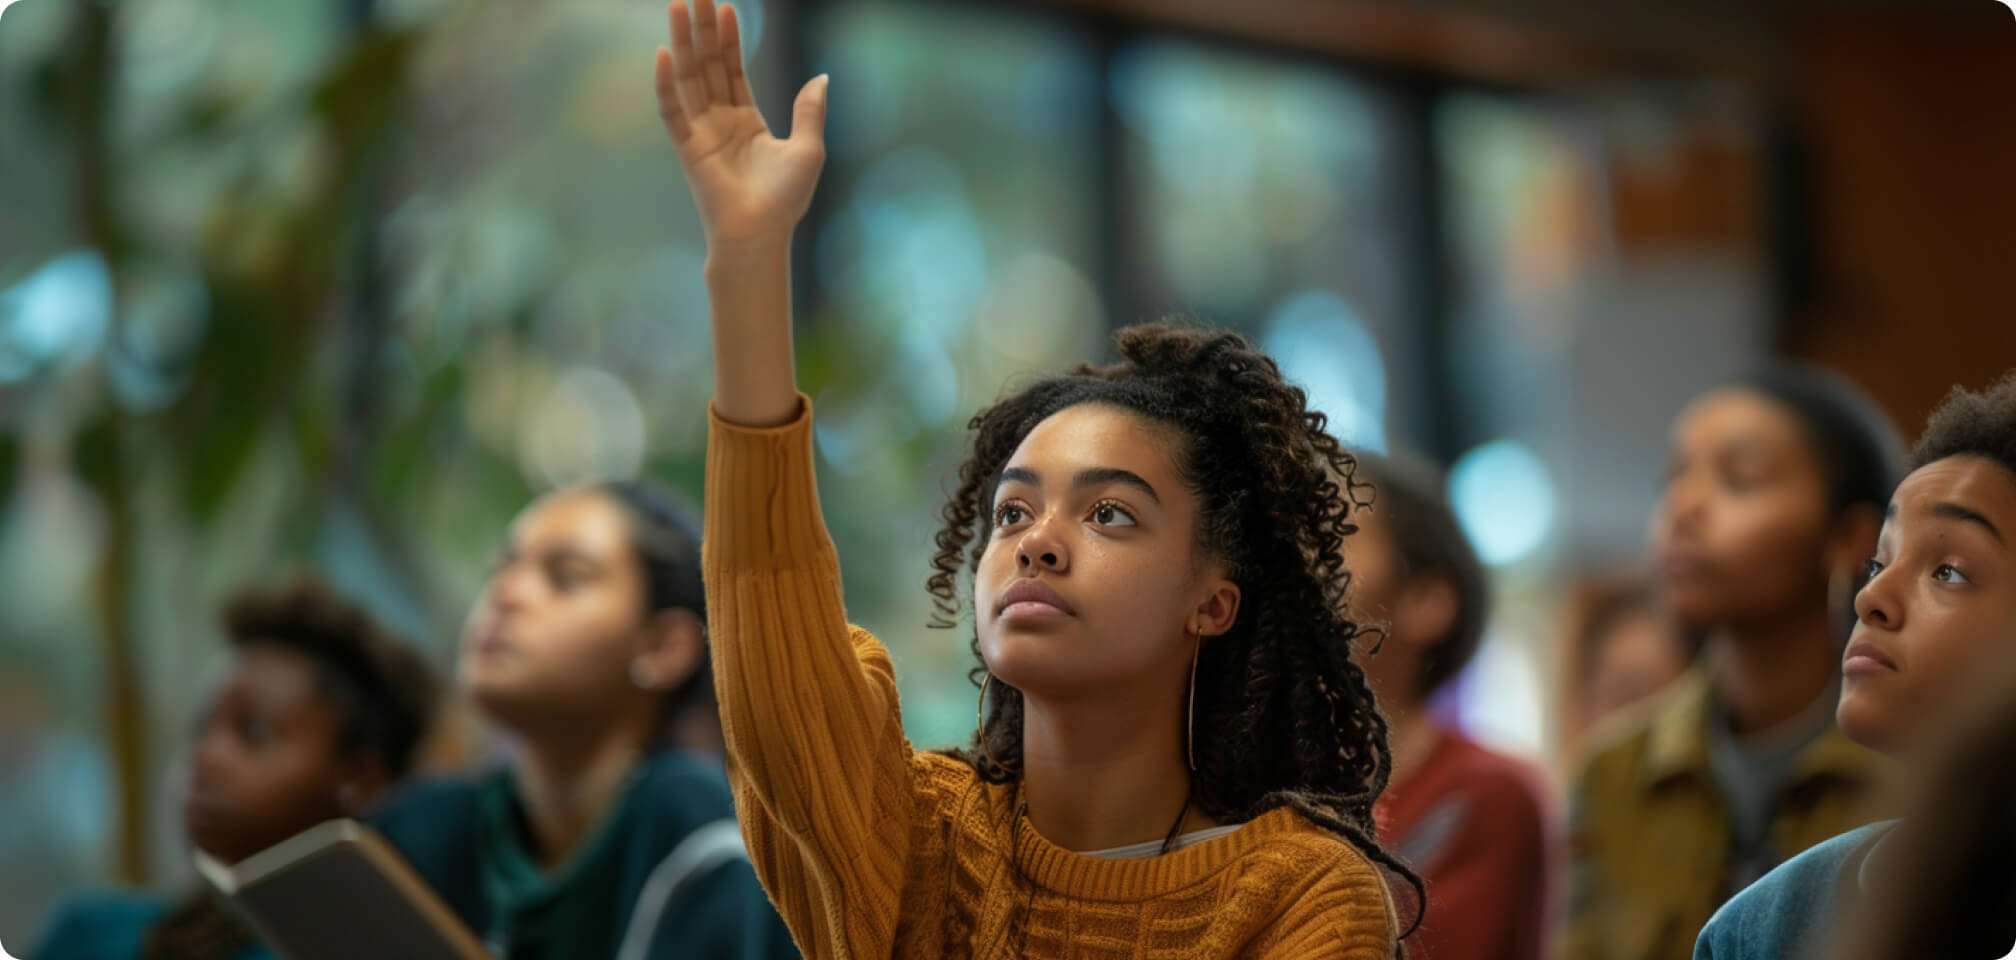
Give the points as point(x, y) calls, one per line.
point(320, 713)
point(602, 839)
point(1940, 603)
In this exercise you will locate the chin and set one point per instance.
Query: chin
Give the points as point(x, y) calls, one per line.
point(497, 699)
point(1028, 660)
point(1694, 607)
point(1862, 720)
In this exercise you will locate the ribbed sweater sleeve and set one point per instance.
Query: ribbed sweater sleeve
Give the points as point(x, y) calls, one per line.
point(816, 754)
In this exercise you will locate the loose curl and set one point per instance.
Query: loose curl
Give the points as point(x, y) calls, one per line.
point(1284, 716)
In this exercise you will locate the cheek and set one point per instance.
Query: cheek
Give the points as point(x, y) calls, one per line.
point(996, 568)
point(1769, 539)
point(1945, 643)
point(1136, 590)
point(297, 781)
point(588, 632)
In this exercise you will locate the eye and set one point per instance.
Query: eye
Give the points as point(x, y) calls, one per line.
point(1009, 514)
point(256, 732)
point(563, 580)
point(1870, 568)
point(1948, 573)
point(1106, 513)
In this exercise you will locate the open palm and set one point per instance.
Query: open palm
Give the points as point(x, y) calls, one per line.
point(750, 186)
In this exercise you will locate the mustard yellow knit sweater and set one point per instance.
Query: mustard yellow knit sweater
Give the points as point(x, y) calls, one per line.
point(871, 849)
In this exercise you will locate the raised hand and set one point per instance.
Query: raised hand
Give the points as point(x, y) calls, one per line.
point(752, 188)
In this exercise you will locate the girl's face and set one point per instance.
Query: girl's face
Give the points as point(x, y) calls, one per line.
point(553, 636)
point(267, 763)
point(1092, 580)
point(1742, 530)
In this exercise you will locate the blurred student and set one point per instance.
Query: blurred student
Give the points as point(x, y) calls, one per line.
point(1473, 822)
point(1939, 605)
point(320, 713)
point(1624, 649)
point(1774, 493)
point(611, 833)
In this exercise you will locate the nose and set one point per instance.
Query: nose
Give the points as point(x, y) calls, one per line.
point(1684, 504)
point(207, 760)
point(1042, 549)
point(1877, 605)
point(507, 588)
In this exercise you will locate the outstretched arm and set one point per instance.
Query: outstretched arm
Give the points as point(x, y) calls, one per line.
point(816, 754)
point(752, 188)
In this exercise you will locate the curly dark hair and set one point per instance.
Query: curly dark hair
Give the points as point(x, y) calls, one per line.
point(1980, 424)
point(383, 690)
point(1431, 543)
point(1284, 717)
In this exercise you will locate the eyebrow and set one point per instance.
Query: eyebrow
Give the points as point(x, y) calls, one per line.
point(1954, 511)
point(1088, 477)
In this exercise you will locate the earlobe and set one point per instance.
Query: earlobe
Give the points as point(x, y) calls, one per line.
point(1427, 610)
point(671, 652)
point(1219, 611)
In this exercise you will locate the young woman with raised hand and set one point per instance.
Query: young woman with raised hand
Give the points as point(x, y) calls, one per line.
point(1175, 755)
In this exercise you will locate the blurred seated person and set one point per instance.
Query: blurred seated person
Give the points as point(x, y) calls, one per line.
point(1624, 649)
point(609, 831)
point(319, 714)
point(1940, 604)
point(1472, 821)
point(1774, 492)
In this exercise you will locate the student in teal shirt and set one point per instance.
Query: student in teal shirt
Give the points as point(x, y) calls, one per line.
point(1940, 602)
point(320, 713)
point(611, 834)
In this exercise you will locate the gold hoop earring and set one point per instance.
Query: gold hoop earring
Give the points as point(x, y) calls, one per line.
point(1190, 716)
point(980, 722)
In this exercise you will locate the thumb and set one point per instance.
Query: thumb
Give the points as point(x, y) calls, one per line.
point(808, 112)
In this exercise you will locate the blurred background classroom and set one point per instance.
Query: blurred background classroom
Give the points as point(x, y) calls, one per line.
point(340, 285)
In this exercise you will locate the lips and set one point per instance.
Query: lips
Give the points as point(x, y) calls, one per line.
point(1866, 657)
point(205, 815)
point(490, 641)
point(1682, 562)
point(1033, 598)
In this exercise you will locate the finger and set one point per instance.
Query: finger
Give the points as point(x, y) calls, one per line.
point(808, 113)
point(669, 110)
point(686, 77)
point(731, 56)
point(707, 39)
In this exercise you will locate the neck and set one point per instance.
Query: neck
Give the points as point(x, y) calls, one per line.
point(1095, 776)
point(1765, 674)
point(1411, 734)
point(568, 782)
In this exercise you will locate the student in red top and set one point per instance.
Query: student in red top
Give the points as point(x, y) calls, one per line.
point(1471, 821)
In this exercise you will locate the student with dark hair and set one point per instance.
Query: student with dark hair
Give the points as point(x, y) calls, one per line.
point(1773, 496)
point(321, 712)
point(1177, 755)
point(1940, 603)
point(1474, 822)
point(602, 839)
